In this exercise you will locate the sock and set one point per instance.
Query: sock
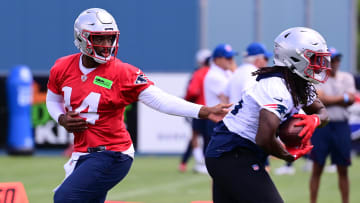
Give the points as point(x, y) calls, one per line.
point(198, 155)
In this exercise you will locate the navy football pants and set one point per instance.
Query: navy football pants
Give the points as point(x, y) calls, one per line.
point(240, 177)
point(200, 126)
point(94, 175)
point(333, 139)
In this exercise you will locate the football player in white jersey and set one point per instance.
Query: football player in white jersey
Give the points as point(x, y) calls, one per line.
point(247, 135)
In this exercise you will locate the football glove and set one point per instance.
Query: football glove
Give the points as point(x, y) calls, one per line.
point(310, 123)
point(298, 152)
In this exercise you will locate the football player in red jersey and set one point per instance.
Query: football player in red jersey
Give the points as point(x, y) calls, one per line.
point(87, 95)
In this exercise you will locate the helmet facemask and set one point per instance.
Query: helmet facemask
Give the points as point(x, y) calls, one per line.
point(319, 65)
point(99, 50)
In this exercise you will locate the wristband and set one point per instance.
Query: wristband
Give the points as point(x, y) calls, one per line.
point(346, 97)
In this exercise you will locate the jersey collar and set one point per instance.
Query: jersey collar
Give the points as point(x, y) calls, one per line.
point(268, 75)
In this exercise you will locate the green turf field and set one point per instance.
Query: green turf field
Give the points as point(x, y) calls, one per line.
point(156, 180)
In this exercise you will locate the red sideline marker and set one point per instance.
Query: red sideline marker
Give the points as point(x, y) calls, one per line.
point(13, 192)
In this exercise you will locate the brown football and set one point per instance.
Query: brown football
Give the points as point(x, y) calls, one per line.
point(289, 133)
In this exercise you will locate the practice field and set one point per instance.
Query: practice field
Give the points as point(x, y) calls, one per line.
point(156, 180)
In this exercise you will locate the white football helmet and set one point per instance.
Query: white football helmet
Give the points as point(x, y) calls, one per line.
point(305, 52)
point(92, 22)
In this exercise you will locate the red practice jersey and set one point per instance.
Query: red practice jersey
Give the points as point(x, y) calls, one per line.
point(101, 97)
point(195, 90)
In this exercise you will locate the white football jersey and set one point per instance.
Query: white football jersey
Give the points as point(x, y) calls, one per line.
point(240, 81)
point(269, 93)
point(215, 83)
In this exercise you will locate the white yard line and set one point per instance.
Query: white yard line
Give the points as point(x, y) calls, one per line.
point(157, 188)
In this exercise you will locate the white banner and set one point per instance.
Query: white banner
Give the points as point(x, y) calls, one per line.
point(158, 132)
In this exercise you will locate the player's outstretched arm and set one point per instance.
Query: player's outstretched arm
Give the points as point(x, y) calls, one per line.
point(161, 101)
point(215, 113)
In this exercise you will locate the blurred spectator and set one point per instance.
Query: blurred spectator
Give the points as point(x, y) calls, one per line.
point(255, 57)
point(195, 94)
point(337, 94)
point(355, 119)
point(357, 81)
point(221, 66)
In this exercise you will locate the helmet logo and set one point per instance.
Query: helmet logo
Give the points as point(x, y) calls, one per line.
point(228, 48)
point(105, 18)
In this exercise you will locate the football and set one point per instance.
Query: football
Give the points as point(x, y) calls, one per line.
point(289, 133)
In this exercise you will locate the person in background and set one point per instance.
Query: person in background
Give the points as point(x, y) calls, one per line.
point(195, 94)
point(87, 95)
point(255, 57)
point(241, 142)
point(221, 70)
point(337, 94)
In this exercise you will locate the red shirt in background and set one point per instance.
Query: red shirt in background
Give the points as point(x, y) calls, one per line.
point(195, 90)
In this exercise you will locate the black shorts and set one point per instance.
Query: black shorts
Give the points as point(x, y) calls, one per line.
point(239, 176)
point(200, 126)
point(334, 139)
